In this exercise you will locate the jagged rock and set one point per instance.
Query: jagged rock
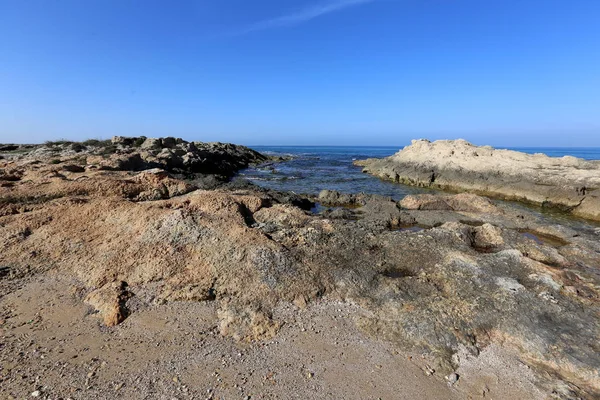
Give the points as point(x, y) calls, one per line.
point(169, 142)
point(566, 182)
point(127, 141)
point(335, 198)
point(486, 276)
point(282, 215)
point(140, 153)
point(332, 197)
point(424, 202)
point(151, 143)
point(110, 302)
point(163, 186)
point(488, 237)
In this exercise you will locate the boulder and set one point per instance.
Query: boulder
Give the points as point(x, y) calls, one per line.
point(424, 202)
point(151, 143)
point(126, 141)
point(110, 302)
point(335, 198)
point(169, 142)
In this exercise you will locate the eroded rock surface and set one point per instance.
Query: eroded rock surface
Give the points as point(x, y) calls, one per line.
point(474, 274)
point(141, 153)
point(567, 182)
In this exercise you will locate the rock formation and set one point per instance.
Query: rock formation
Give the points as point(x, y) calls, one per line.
point(439, 275)
point(141, 153)
point(568, 183)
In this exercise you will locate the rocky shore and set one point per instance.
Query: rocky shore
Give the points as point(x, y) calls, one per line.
point(567, 183)
point(122, 278)
point(140, 153)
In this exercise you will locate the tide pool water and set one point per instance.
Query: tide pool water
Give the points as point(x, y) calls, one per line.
point(314, 168)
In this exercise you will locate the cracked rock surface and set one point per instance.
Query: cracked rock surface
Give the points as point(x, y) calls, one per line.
point(112, 265)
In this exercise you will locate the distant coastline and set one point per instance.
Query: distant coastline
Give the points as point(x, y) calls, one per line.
point(588, 153)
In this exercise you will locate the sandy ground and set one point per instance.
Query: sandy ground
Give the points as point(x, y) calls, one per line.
point(53, 346)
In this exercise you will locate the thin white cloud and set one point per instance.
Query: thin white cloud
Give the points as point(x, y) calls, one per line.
point(301, 16)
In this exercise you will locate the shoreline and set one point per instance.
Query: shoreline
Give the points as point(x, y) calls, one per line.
point(459, 166)
point(468, 287)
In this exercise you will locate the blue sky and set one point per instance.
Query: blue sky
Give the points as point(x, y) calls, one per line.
point(348, 72)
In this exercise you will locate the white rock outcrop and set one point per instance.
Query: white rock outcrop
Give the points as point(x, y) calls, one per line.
point(569, 183)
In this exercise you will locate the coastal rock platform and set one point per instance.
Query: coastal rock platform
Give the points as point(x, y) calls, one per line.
point(118, 282)
point(568, 183)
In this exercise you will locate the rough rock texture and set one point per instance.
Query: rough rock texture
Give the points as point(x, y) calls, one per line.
point(141, 153)
point(453, 275)
point(110, 301)
point(460, 202)
point(569, 183)
point(334, 198)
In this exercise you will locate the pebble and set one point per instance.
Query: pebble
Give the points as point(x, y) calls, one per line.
point(37, 393)
point(452, 378)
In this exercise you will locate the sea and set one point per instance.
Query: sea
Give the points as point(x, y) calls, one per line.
point(314, 168)
point(311, 169)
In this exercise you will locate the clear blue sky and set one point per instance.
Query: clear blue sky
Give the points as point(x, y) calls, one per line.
point(372, 72)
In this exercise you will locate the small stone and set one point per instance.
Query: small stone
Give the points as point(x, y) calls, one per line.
point(37, 393)
point(176, 379)
point(452, 378)
point(300, 301)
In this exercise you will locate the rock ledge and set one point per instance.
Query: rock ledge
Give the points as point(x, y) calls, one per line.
point(569, 183)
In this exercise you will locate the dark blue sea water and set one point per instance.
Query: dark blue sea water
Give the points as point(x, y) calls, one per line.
point(314, 168)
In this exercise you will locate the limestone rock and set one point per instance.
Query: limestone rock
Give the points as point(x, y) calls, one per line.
point(463, 202)
point(110, 302)
point(488, 237)
point(140, 153)
point(568, 183)
point(127, 141)
point(471, 275)
point(282, 215)
point(151, 143)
